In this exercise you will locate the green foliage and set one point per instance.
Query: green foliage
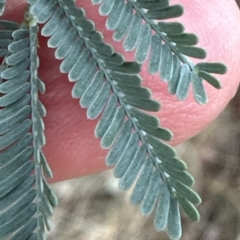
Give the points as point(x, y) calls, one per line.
point(110, 88)
point(167, 49)
point(26, 200)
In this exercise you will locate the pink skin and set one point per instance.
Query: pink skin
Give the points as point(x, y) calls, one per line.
point(73, 151)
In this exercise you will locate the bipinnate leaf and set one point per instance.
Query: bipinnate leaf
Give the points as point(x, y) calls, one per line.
point(24, 194)
point(163, 43)
point(111, 90)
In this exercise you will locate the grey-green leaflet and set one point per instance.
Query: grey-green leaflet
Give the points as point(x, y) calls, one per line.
point(111, 90)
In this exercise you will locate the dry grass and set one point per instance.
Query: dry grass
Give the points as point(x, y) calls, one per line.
point(92, 208)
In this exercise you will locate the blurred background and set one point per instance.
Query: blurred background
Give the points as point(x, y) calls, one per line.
point(93, 208)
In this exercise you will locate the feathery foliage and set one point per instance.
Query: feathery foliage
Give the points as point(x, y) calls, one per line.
point(166, 48)
point(26, 200)
point(110, 87)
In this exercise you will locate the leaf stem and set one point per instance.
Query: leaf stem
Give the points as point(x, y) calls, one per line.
point(126, 107)
point(182, 57)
